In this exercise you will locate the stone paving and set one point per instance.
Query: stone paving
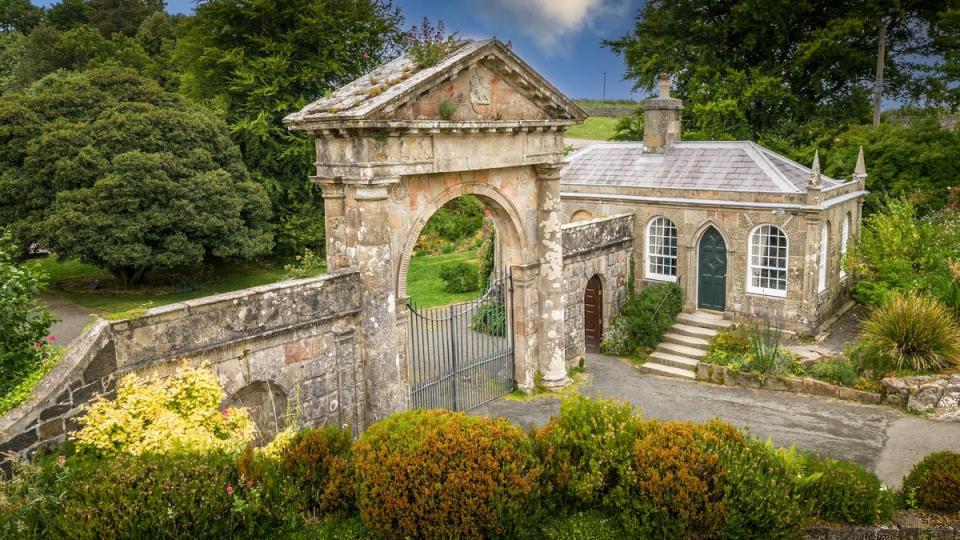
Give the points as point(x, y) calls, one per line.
point(878, 437)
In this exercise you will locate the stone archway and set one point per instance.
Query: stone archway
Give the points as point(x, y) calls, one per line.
point(266, 403)
point(387, 158)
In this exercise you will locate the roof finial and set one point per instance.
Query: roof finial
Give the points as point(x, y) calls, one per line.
point(815, 173)
point(664, 85)
point(861, 168)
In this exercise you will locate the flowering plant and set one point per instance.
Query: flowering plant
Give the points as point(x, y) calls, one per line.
point(428, 45)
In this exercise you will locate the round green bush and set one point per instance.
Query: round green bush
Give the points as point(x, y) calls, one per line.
point(934, 483)
point(316, 468)
point(845, 492)
point(760, 492)
point(460, 277)
point(580, 450)
point(439, 474)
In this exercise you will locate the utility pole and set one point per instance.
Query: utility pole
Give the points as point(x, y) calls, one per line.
point(878, 84)
point(604, 86)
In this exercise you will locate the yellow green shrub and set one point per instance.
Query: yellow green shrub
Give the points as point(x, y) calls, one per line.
point(181, 412)
point(580, 450)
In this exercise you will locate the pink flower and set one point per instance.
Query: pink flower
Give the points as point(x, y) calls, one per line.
point(225, 412)
point(229, 490)
point(61, 459)
point(37, 345)
point(51, 338)
point(366, 56)
point(249, 484)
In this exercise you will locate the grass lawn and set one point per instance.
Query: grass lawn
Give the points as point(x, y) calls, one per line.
point(67, 279)
point(424, 285)
point(618, 103)
point(597, 128)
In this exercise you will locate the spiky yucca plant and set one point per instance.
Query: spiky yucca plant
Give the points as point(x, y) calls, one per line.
point(912, 331)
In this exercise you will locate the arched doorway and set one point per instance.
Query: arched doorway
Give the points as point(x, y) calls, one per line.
point(712, 271)
point(593, 314)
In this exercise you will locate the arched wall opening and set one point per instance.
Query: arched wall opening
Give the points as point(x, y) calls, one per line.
point(511, 244)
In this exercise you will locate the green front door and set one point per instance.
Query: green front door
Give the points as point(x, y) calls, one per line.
point(712, 273)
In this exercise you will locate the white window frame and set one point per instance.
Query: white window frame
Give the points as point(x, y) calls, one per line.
point(648, 246)
point(766, 291)
point(824, 257)
point(844, 242)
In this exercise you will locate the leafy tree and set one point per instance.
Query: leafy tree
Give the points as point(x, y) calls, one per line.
point(69, 14)
point(24, 322)
point(901, 252)
point(47, 49)
point(771, 68)
point(121, 16)
point(11, 50)
point(915, 161)
point(108, 168)
point(258, 61)
point(19, 16)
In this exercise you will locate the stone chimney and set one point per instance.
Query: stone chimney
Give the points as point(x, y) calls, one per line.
point(661, 119)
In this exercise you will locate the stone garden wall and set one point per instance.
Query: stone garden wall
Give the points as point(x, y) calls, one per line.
point(938, 395)
point(596, 247)
point(285, 347)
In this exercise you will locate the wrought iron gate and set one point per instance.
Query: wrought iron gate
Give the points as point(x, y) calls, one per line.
point(461, 355)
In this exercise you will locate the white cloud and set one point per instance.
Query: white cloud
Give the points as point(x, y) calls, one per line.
point(551, 22)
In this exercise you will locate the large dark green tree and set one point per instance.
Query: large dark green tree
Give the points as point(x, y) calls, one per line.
point(19, 16)
point(778, 68)
point(108, 168)
point(121, 16)
point(257, 61)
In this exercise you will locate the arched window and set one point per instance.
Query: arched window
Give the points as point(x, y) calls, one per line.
point(661, 251)
point(581, 215)
point(768, 261)
point(824, 256)
point(844, 238)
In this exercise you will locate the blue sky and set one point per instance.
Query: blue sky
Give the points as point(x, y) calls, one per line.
point(559, 38)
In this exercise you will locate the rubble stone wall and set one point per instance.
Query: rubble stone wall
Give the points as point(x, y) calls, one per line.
point(294, 340)
point(596, 247)
point(938, 395)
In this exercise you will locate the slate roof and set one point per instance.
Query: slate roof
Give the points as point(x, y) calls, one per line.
point(399, 80)
point(714, 165)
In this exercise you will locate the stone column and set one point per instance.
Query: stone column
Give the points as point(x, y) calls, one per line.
point(524, 311)
point(334, 215)
point(552, 364)
point(384, 370)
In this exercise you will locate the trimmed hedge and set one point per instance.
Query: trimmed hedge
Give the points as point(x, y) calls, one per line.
point(844, 492)
point(581, 449)
point(317, 466)
point(672, 487)
point(439, 474)
point(934, 483)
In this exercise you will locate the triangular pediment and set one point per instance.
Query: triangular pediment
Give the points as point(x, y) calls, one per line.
point(483, 81)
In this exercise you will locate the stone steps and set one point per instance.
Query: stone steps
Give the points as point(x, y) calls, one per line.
point(684, 345)
point(686, 341)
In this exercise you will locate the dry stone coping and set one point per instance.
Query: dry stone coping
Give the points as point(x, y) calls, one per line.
point(798, 385)
point(938, 395)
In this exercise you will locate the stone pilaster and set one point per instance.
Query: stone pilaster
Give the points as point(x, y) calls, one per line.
point(334, 215)
point(526, 322)
point(553, 368)
point(384, 367)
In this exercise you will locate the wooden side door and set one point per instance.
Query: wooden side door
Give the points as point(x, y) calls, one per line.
point(593, 314)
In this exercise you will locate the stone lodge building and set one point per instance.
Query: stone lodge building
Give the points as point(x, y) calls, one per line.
point(742, 229)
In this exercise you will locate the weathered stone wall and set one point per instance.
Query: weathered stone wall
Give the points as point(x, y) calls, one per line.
point(294, 340)
point(597, 247)
point(938, 395)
